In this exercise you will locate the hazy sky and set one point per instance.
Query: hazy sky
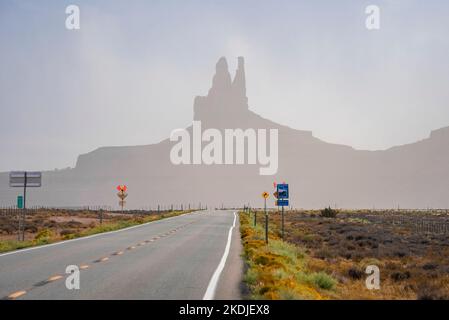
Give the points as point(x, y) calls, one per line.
point(129, 75)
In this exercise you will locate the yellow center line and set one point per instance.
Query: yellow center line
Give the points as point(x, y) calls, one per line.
point(17, 294)
point(54, 278)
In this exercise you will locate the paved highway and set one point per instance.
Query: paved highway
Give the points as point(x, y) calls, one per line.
point(193, 256)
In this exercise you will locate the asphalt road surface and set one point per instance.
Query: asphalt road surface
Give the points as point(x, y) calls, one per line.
point(193, 256)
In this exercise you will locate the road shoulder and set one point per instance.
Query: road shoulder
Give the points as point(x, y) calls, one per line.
point(230, 283)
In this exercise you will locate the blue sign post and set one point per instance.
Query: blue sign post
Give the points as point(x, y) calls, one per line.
point(282, 195)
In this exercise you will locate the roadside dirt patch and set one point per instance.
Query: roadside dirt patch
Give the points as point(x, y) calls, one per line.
point(62, 224)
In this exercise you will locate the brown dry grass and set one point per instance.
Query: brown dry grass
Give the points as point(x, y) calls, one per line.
point(47, 226)
point(413, 265)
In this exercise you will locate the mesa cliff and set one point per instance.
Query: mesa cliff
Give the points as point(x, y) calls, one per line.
point(319, 173)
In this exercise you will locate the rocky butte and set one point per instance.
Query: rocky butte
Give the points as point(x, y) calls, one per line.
point(319, 173)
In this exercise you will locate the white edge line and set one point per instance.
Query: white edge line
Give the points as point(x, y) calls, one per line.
point(210, 292)
point(92, 236)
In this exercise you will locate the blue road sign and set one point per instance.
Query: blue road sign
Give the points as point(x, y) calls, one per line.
point(282, 203)
point(282, 190)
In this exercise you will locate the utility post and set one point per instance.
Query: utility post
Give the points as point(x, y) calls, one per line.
point(266, 222)
point(24, 205)
point(265, 196)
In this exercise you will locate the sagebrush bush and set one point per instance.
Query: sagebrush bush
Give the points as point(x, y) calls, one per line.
point(328, 213)
point(43, 237)
point(251, 277)
point(323, 280)
point(285, 249)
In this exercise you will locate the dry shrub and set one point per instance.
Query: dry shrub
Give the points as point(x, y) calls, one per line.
point(328, 213)
point(430, 291)
point(355, 273)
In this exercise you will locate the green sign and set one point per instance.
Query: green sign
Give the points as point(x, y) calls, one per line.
point(20, 202)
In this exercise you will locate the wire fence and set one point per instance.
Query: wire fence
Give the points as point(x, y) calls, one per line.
point(432, 221)
point(423, 225)
point(4, 210)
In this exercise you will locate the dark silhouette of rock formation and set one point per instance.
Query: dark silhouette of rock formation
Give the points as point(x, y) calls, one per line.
point(319, 173)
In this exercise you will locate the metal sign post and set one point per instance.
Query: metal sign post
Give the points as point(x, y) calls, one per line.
point(24, 206)
point(282, 195)
point(265, 196)
point(282, 222)
point(24, 179)
point(255, 218)
point(266, 223)
point(122, 195)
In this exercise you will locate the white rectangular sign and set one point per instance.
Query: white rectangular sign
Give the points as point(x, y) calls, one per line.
point(17, 179)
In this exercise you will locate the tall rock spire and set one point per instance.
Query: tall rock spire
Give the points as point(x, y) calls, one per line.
point(221, 83)
point(239, 83)
point(226, 101)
